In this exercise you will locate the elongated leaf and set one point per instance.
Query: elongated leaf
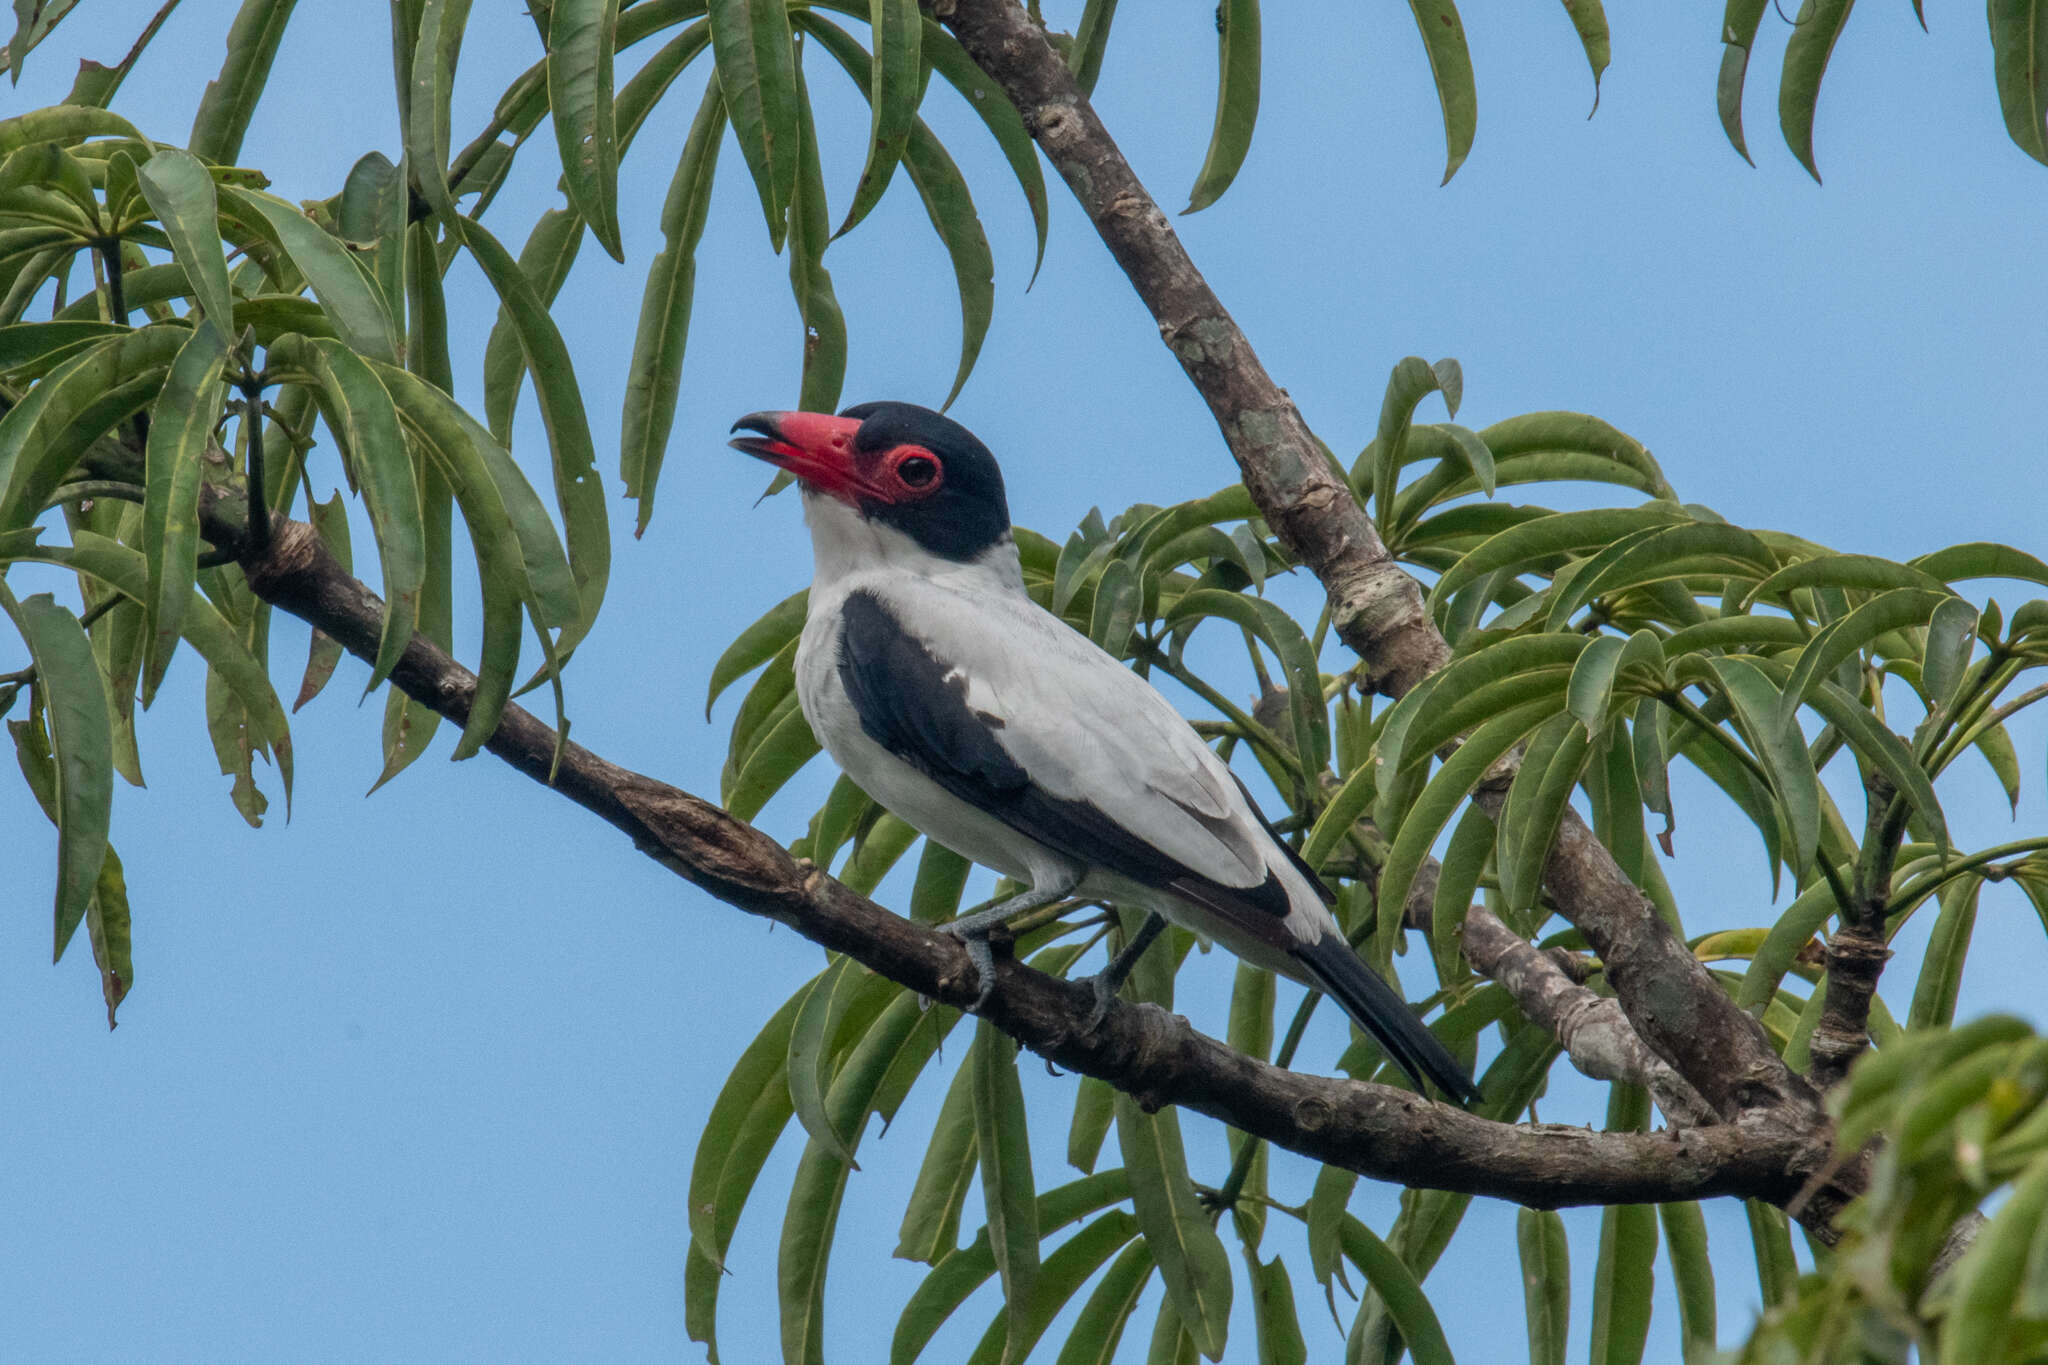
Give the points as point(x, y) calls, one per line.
point(1445, 793)
point(951, 210)
point(372, 216)
point(1886, 752)
point(1280, 633)
point(1450, 65)
point(230, 98)
point(350, 297)
point(1000, 116)
point(108, 926)
point(1237, 101)
point(750, 40)
point(1941, 971)
point(80, 748)
point(895, 84)
point(1541, 540)
point(1951, 631)
point(1190, 1255)
point(1625, 1273)
point(1099, 1329)
point(1846, 637)
point(581, 39)
point(1546, 1283)
point(1007, 1189)
point(1982, 559)
point(181, 426)
point(1814, 32)
point(1534, 807)
point(42, 436)
point(809, 1062)
point(1738, 31)
point(1685, 1242)
point(810, 283)
point(180, 193)
point(648, 413)
point(966, 1270)
point(2019, 65)
point(360, 412)
point(1397, 1288)
point(1780, 748)
point(1981, 1317)
point(1590, 19)
point(931, 1219)
point(579, 492)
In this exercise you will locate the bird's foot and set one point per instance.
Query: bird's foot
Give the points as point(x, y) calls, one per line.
point(974, 938)
point(1104, 986)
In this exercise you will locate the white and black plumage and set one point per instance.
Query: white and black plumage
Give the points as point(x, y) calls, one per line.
point(986, 722)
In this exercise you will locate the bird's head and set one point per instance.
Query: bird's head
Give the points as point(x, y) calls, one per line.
point(895, 463)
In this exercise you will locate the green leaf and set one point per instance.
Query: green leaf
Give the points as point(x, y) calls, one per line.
point(330, 522)
point(1412, 379)
point(1546, 1283)
point(350, 296)
point(951, 210)
point(1446, 791)
point(43, 435)
point(1190, 1255)
point(652, 380)
point(1981, 1316)
point(809, 1064)
point(2019, 65)
point(80, 749)
point(1099, 1329)
point(1625, 1274)
point(182, 424)
point(180, 193)
point(581, 39)
point(1951, 632)
point(1464, 863)
point(1738, 32)
point(1886, 752)
point(810, 283)
point(895, 85)
point(579, 492)
point(360, 412)
point(1008, 1193)
point(372, 217)
point(1853, 633)
point(426, 88)
point(1777, 1268)
point(230, 98)
point(785, 746)
point(108, 925)
point(1004, 123)
point(1982, 559)
point(1590, 19)
point(966, 1270)
point(1273, 1313)
point(758, 643)
point(1521, 548)
point(1284, 637)
point(1399, 1290)
point(1685, 1242)
point(1473, 687)
point(1237, 101)
point(931, 1220)
point(1781, 749)
point(1814, 32)
point(1534, 807)
point(750, 40)
point(1941, 970)
point(1592, 682)
point(1450, 66)
point(1118, 601)
point(218, 642)
point(1094, 1108)
point(1065, 1271)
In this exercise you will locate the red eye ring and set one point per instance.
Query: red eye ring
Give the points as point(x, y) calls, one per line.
point(915, 470)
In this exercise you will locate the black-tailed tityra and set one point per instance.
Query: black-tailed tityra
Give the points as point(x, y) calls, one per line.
point(985, 721)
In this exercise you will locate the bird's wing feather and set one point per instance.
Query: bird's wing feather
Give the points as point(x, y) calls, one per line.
point(1010, 710)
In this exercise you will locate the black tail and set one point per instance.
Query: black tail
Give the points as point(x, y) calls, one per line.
point(1381, 1012)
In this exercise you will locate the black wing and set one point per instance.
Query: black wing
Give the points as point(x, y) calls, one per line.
point(915, 705)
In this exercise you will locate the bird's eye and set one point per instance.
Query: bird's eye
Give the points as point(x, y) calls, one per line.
point(916, 470)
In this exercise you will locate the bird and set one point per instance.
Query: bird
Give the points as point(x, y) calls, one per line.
point(980, 718)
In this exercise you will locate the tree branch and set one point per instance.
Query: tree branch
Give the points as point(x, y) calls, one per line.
point(1377, 1131)
point(1671, 1000)
point(1857, 950)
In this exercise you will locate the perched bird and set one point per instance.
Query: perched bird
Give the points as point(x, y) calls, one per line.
point(985, 721)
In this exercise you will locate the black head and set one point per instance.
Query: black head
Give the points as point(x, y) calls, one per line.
point(896, 463)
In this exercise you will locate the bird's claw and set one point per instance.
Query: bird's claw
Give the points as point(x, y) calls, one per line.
point(981, 955)
point(1105, 992)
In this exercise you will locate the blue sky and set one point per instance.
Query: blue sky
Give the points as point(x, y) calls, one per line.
point(419, 1075)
